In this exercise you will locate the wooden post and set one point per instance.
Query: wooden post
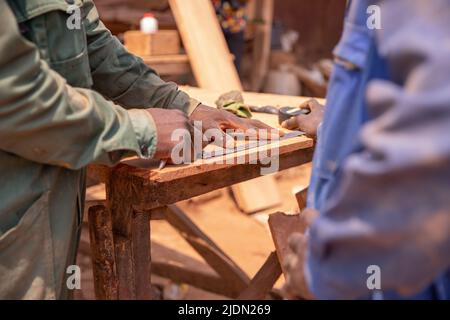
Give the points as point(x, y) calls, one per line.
point(131, 231)
point(264, 280)
point(205, 45)
point(102, 253)
point(263, 36)
point(301, 197)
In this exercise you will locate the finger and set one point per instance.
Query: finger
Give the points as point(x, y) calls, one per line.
point(309, 215)
point(197, 148)
point(290, 262)
point(253, 128)
point(272, 133)
point(297, 243)
point(188, 141)
point(287, 292)
point(226, 141)
point(312, 105)
point(291, 123)
point(259, 124)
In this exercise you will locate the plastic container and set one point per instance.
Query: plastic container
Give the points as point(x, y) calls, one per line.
point(149, 24)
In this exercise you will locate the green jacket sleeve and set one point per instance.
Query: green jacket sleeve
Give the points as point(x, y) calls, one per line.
point(42, 119)
point(125, 78)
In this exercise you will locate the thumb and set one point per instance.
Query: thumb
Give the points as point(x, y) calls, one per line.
point(290, 123)
point(297, 243)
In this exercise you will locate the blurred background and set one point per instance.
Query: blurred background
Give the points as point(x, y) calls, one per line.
point(282, 47)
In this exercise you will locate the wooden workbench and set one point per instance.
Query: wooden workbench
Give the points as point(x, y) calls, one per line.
point(136, 192)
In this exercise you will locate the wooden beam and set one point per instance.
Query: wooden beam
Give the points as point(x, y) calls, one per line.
point(282, 226)
point(102, 253)
point(262, 44)
point(169, 65)
point(205, 44)
point(174, 184)
point(131, 232)
point(257, 194)
point(264, 280)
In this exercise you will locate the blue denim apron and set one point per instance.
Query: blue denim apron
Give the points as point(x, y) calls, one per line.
point(357, 63)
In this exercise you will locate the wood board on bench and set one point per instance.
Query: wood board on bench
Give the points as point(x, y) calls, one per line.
point(177, 183)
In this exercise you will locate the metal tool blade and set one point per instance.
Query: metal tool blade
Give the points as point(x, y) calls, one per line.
point(249, 146)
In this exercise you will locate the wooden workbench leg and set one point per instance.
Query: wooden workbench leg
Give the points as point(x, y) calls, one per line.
point(264, 280)
point(102, 253)
point(133, 259)
point(131, 231)
point(142, 255)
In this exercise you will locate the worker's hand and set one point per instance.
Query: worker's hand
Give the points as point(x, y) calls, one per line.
point(309, 122)
point(212, 118)
point(296, 286)
point(167, 121)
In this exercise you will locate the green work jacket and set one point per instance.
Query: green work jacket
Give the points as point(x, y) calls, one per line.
point(68, 97)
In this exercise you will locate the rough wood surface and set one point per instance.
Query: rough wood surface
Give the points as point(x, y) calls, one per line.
point(282, 226)
point(264, 280)
point(141, 254)
point(102, 253)
point(301, 197)
point(131, 231)
point(173, 184)
point(163, 42)
point(205, 44)
point(176, 183)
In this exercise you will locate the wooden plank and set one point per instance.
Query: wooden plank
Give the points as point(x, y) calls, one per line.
point(257, 194)
point(176, 183)
point(163, 42)
point(282, 226)
point(264, 280)
point(261, 51)
point(125, 272)
point(169, 65)
point(141, 254)
point(205, 44)
point(102, 253)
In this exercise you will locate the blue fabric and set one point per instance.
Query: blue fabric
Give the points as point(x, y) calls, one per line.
point(358, 63)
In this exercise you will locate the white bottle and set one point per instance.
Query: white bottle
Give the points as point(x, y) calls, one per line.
point(149, 24)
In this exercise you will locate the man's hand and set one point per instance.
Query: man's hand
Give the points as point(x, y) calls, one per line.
point(167, 121)
point(307, 123)
point(213, 118)
point(296, 286)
